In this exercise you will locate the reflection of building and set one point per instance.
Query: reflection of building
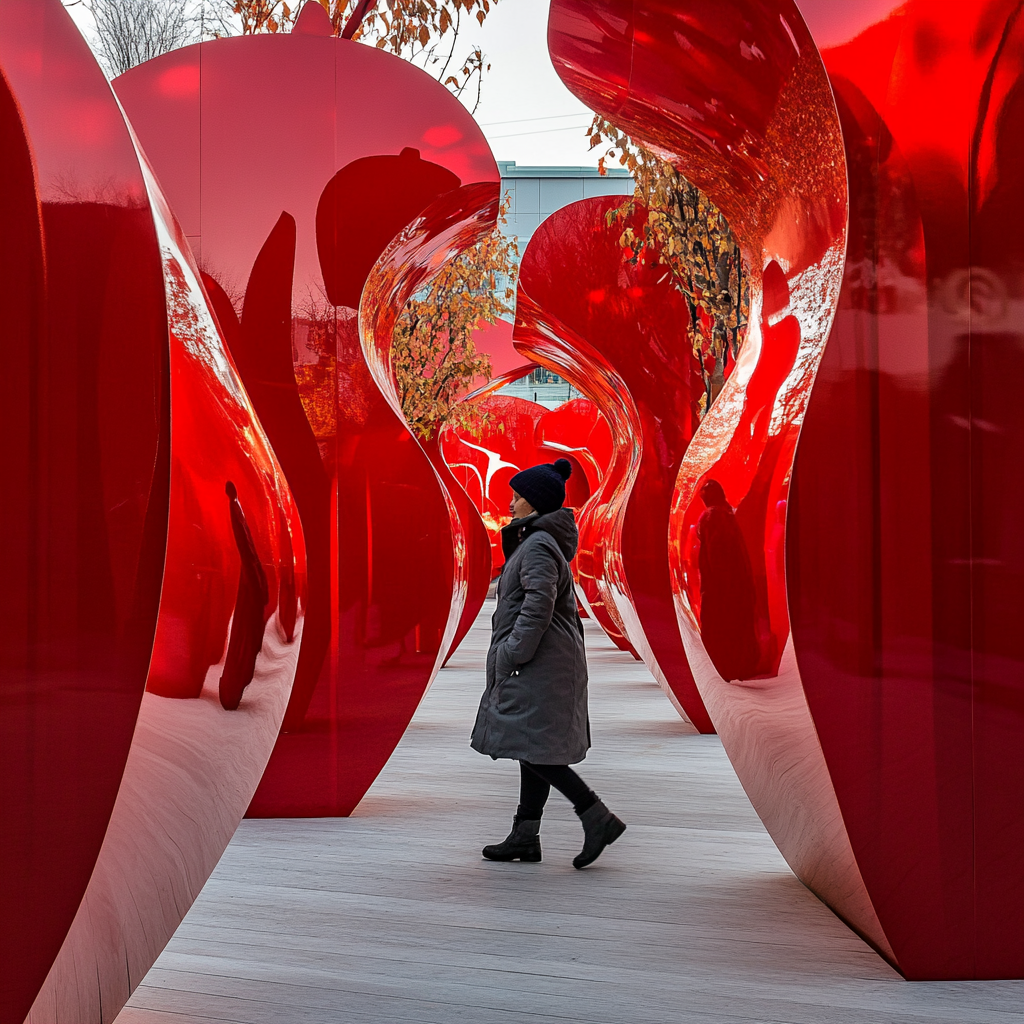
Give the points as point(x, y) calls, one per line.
point(543, 387)
point(535, 193)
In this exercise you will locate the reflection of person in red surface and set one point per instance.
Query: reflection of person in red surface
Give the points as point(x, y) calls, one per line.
point(534, 708)
point(247, 624)
point(727, 615)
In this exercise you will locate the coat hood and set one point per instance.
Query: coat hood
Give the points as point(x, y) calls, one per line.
point(561, 524)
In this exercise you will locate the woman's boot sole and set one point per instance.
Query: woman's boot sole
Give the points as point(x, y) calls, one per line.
point(527, 856)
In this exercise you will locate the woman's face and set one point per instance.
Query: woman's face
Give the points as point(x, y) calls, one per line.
point(520, 507)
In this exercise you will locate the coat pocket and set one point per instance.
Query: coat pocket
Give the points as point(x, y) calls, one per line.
point(504, 666)
point(509, 696)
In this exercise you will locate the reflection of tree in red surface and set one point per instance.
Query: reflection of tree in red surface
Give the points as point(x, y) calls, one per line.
point(318, 321)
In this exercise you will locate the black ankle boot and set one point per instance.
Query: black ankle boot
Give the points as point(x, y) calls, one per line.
point(600, 829)
point(523, 842)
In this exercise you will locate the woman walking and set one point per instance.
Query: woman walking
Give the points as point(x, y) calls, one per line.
point(534, 708)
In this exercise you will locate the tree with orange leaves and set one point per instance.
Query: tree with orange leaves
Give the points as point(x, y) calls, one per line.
point(434, 355)
point(687, 232)
point(425, 32)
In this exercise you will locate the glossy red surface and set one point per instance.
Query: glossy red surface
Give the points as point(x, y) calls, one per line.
point(570, 356)
point(479, 552)
point(351, 144)
point(884, 750)
point(601, 319)
point(230, 618)
point(261, 344)
point(484, 462)
point(83, 522)
point(578, 431)
point(911, 453)
point(745, 111)
point(519, 434)
point(567, 431)
point(477, 559)
point(124, 422)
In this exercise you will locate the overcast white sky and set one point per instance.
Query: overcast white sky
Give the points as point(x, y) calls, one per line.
point(526, 112)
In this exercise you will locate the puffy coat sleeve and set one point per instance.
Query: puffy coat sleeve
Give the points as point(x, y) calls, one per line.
point(538, 575)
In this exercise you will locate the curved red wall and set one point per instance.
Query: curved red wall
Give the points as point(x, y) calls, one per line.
point(292, 209)
point(881, 742)
point(593, 315)
point(903, 549)
point(160, 533)
point(83, 524)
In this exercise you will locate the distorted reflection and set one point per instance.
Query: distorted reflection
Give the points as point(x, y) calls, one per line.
point(727, 602)
point(250, 603)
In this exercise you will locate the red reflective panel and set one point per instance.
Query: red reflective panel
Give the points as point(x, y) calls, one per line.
point(288, 213)
point(577, 430)
point(483, 462)
point(477, 557)
point(227, 638)
point(573, 357)
point(885, 755)
point(619, 332)
point(83, 521)
point(123, 408)
point(566, 431)
point(514, 437)
point(904, 555)
point(744, 110)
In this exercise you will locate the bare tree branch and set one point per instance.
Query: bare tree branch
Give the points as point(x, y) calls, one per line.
point(132, 31)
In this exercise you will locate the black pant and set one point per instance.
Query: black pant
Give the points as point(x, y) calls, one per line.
point(535, 782)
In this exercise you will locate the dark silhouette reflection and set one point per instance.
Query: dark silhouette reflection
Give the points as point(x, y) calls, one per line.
point(261, 343)
point(727, 614)
point(247, 624)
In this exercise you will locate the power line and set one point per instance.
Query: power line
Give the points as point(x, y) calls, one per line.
point(523, 120)
point(540, 131)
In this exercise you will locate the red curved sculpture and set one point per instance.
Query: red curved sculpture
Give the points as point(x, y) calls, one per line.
point(382, 582)
point(83, 522)
point(578, 431)
point(160, 533)
point(745, 110)
point(596, 316)
point(483, 463)
point(882, 746)
point(480, 554)
point(905, 608)
point(230, 615)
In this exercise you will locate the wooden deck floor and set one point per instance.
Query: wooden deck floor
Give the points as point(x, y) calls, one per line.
point(392, 917)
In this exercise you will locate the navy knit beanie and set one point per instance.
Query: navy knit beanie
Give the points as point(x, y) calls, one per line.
point(543, 486)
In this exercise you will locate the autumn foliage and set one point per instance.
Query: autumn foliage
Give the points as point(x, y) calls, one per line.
point(435, 358)
point(689, 234)
point(423, 31)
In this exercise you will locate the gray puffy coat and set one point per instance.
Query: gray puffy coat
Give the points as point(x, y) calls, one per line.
point(535, 705)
